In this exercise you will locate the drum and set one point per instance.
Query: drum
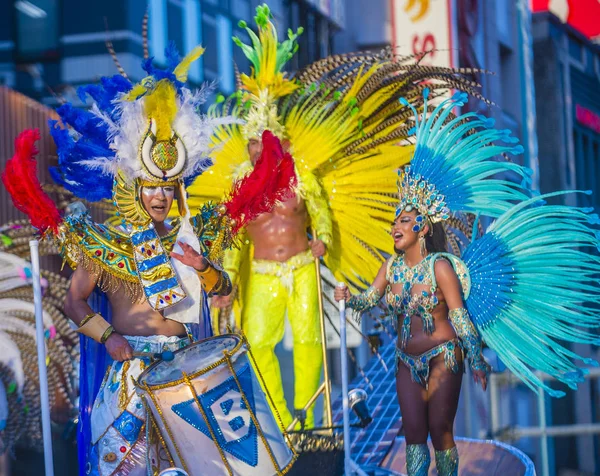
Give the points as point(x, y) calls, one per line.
point(211, 412)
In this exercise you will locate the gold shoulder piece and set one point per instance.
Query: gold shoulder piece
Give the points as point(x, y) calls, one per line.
point(459, 267)
point(213, 228)
point(102, 250)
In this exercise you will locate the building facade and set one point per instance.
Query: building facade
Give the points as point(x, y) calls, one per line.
point(567, 75)
point(49, 47)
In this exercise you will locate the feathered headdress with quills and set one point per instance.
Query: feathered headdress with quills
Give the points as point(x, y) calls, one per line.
point(267, 83)
point(344, 125)
point(147, 133)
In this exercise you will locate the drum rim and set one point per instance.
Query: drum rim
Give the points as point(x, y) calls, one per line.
point(145, 386)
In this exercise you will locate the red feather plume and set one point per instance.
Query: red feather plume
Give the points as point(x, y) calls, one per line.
point(272, 180)
point(21, 182)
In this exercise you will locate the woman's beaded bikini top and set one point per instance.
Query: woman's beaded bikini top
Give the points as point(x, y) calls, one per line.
point(406, 304)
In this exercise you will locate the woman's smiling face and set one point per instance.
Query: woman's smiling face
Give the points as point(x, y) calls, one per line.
point(403, 233)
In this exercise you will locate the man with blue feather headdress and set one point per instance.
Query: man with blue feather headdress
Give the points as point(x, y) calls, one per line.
point(138, 145)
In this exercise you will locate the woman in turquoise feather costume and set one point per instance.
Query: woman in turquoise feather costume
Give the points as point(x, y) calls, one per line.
point(528, 282)
point(422, 291)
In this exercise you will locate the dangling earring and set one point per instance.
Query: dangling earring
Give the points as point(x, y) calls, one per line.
point(423, 246)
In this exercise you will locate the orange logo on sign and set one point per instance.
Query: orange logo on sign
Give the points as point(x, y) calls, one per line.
point(423, 9)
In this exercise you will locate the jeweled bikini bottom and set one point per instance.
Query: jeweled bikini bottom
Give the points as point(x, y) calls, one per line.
point(419, 364)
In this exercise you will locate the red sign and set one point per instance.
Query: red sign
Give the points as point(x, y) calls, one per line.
point(587, 118)
point(583, 15)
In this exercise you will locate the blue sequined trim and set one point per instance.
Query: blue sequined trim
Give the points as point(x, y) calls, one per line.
point(226, 406)
point(152, 262)
point(237, 423)
point(419, 364)
point(145, 235)
point(129, 426)
point(161, 286)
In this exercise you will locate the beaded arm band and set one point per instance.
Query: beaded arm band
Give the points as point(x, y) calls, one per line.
point(365, 300)
point(469, 337)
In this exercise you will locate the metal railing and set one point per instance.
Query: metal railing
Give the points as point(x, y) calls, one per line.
point(542, 430)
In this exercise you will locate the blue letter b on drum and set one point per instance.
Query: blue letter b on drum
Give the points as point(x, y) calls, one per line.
point(228, 416)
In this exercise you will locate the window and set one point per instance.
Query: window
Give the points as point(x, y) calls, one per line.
point(505, 18)
point(509, 82)
point(158, 29)
point(324, 38)
point(576, 51)
point(239, 58)
point(592, 166)
point(209, 36)
point(582, 162)
point(175, 26)
point(192, 19)
point(37, 29)
point(587, 164)
point(225, 48)
point(241, 9)
point(315, 43)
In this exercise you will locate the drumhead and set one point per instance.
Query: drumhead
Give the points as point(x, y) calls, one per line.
point(191, 359)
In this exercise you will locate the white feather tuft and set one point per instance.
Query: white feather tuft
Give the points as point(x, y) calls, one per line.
point(128, 136)
point(105, 165)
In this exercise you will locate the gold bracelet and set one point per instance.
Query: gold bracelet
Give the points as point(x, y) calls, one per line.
point(209, 278)
point(107, 333)
point(86, 319)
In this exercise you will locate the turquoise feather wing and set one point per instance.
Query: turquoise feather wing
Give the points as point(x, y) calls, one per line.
point(534, 288)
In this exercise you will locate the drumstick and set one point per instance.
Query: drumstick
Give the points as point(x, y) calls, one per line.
point(166, 355)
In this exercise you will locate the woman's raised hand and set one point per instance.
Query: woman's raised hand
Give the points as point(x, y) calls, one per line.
point(341, 292)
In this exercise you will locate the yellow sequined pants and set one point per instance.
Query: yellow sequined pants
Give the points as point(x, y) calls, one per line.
point(273, 289)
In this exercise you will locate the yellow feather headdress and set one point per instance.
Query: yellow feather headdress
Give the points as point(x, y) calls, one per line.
point(267, 82)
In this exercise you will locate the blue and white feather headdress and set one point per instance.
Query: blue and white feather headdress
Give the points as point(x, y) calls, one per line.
point(147, 134)
point(453, 164)
point(150, 131)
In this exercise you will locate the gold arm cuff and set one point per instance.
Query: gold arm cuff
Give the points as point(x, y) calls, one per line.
point(94, 327)
point(86, 319)
point(209, 278)
point(107, 333)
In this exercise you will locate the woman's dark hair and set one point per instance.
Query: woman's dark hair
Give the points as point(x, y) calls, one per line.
point(435, 240)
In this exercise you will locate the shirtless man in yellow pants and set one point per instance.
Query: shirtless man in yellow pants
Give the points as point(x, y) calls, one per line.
point(283, 280)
